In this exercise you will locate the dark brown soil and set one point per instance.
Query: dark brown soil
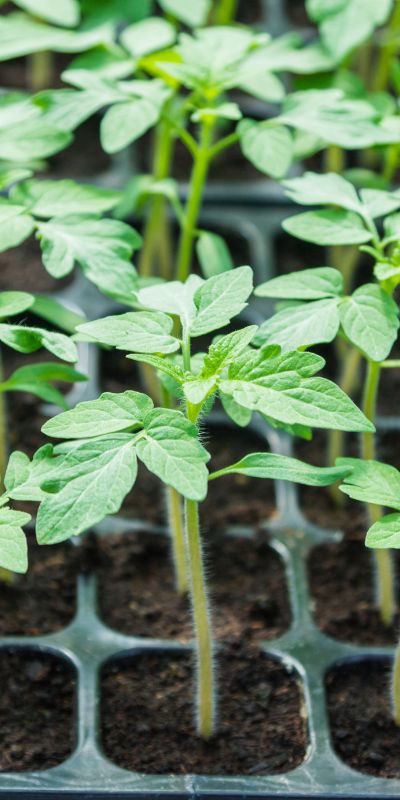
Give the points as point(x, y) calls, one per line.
point(22, 270)
point(37, 702)
point(147, 717)
point(363, 732)
point(292, 254)
point(84, 157)
point(43, 600)
point(137, 594)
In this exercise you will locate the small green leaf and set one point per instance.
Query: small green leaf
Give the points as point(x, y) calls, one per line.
point(148, 36)
point(391, 227)
point(125, 122)
point(267, 145)
point(371, 482)
point(385, 533)
point(140, 332)
point(213, 254)
point(173, 298)
point(62, 198)
point(328, 227)
point(13, 547)
point(301, 325)
point(28, 340)
point(111, 413)
point(223, 351)
point(23, 478)
point(12, 303)
point(32, 140)
point(313, 189)
point(192, 14)
point(283, 468)
point(163, 365)
point(370, 320)
point(240, 415)
point(15, 225)
point(307, 284)
point(220, 298)
point(63, 12)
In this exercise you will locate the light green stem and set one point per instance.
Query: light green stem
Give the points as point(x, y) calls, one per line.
point(40, 71)
point(175, 523)
point(157, 247)
point(383, 558)
point(396, 686)
point(3, 430)
point(391, 162)
point(388, 52)
point(226, 12)
point(196, 188)
point(348, 382)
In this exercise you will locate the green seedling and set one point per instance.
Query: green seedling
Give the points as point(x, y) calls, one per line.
point(87, 477)
point(378, 485)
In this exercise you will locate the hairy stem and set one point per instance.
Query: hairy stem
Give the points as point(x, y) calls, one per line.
point(175, 523)
point(226, 12)
point(348, 382)
point(396, 686)
point(157, 244)
point(196, 189)
point(385, 583)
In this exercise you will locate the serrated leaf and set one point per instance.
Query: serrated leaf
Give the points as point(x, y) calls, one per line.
point(12, 303)
point(140, 331)
point(385, 533)
point(15, 225)
point(23, 477)
point(370, 320)
point(268, 146)
point(328, 227)
point(213, 254)
point(13, 547)
point(301, 325)
point(97, 475)
point(317, 283)
point(172, 451)
point(371, 482)
point(226, 349)
point(283, 468)
point(62, 198)
point(220, 298)
point(102, 247)
point(313, 189)
point(28, 340)
point(111, 413)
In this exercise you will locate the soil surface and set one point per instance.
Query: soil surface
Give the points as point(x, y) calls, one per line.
point(22, 270)
point(363, 732)
point(137, 594)
point(147, 716)
point(37, 715)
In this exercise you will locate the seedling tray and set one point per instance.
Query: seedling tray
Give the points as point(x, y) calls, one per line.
point(87, 644)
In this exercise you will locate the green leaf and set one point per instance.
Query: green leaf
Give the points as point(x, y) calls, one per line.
point(301, 325)
point(63, 12)
point(33, 140)
point(371, 482)
point(62, 198)
point(223, 111)
point(13, 547)
point(21, 35)
point(196, 390)
point(172, 451)
point(147, 36)
point(226, 349)
point(317, 283)
point(10, 174)
point(345, 24)
point(213, 254)
point(141, 332)
point(220, 298)
point(279, 387)
point(28, 340)
point(125, 122)
point(240, 415)
point(385, 533)
point(173, 298)
point(370, 320)
point(313, 189)
point(15, 225)
point(379, 203)
point(192, 14)
point(68, 108)
point(97, 475)
point(23, 478)
point(328, 227)
point(163, 365)
point(283, 468)
point(35, 380)
point(12, 303)
point(51, 310)
point(111, 413)
point(102, 247)
point(391, 226)
point(267, 145)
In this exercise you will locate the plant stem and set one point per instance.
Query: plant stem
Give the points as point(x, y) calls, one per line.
point(388, 52)
point(391, 162)
point(226, 12)
point(383, 559)
point(175, 523)
point(40, 70)
point(3, 430)
point(396, 686)
point(157, 236)
point(196, 188)
point(347, 383)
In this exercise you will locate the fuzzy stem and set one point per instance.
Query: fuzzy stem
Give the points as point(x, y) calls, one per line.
point(383, 558)
point(347, 383)
point(175, 523)
point(226, 12)
point(197, 182)
point(396, 686)
point(157, 239)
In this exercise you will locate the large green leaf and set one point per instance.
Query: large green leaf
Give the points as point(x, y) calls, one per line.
point(15, 225)
point(301, 325)
point(313, 189)
point(62, 198)
point(28, 340)
point(371, 482)
point(345, 24)
point(385, 533)
point(13, 547)
point(279, 386)
point(328, 227)
point(283, 468)
point(102, 247)
point(220, 298)
point(140, 332)
point(62, 12)
point(317, 283)
point(111, 413)
point(32, 140)
point(267, 145)
point(21, 35)
point(173, 298)
point(171, 449)
point(96, 476)
point(370, 319)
